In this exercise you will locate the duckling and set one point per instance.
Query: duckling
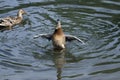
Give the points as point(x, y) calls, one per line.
point(58, 37)
point(12, 21)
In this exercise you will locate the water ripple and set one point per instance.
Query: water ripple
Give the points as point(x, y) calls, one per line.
point(95, 22)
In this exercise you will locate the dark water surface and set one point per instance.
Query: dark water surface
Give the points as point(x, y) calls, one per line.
point(97, 22)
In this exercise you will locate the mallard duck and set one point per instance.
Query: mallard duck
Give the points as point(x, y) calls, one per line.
point(11, 21)
point(58, 37)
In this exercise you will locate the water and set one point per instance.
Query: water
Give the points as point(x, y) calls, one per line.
point(97, 22)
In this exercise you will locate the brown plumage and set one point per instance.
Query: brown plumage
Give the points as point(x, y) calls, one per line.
point(11, 21)
point(58, 37)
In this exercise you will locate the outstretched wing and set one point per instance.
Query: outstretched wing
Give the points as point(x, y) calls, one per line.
point(71, 38)
point(47, 36)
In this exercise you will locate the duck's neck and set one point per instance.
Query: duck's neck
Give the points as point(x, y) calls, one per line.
point(19, 15)
point(58, 31)
point(58, 25)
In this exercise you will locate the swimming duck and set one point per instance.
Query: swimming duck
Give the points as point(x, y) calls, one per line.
point(11, 21)
point(58, 37)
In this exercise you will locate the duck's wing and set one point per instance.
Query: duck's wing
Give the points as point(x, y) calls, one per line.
point(1, 21)
point(4, 22)
point(46, 36)
point(7, 21)
point(71, 38)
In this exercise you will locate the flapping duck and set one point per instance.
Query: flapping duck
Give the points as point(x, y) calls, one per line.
point(58, 37)
point(11, 21)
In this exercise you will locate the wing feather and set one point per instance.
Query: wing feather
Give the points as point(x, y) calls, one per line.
point(46, 36)
point(71, 38)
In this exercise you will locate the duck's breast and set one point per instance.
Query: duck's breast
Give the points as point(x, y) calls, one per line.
point(58, 41)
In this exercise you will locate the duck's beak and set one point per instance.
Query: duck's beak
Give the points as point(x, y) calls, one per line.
point(25, 13)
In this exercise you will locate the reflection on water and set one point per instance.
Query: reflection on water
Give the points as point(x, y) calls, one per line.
point(96, 22)
point(59, 60)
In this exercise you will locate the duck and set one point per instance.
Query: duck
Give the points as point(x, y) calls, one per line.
point(12, 21)
point(58, 37)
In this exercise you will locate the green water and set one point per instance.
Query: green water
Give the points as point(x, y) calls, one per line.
point(96, 22)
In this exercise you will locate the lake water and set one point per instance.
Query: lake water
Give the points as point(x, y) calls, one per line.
point(96, 22)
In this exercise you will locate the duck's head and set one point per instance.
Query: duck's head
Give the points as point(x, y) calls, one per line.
point(21, 11)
